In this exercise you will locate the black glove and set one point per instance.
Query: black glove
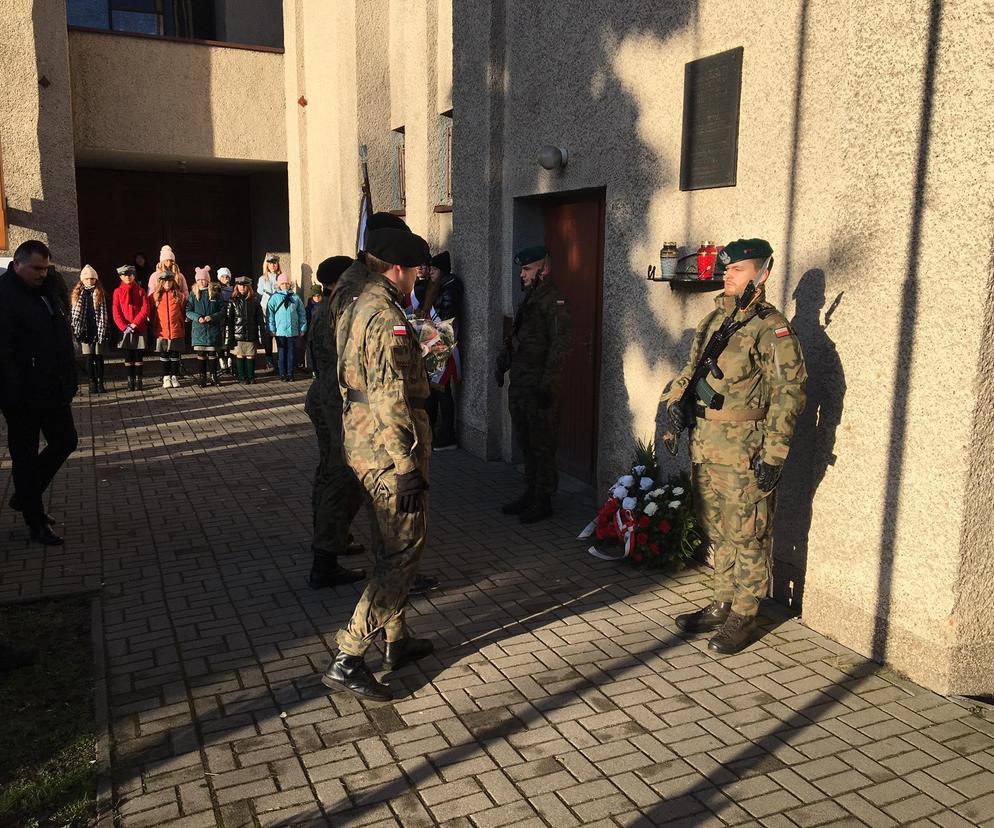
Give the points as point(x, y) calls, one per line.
point(678, 421)
point(409, 488)
point(544, 398)
point(767, 476)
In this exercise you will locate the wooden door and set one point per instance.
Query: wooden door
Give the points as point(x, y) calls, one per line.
point(574, 234)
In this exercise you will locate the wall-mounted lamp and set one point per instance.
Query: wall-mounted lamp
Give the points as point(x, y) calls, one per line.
point(553, 158)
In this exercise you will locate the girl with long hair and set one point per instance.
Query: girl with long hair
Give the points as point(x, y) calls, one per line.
point(205, 310)
point(131, 308)
point(266, 287)
point(245, 326)
point(88, 319)
point(170, 329)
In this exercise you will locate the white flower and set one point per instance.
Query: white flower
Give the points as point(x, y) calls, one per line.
point(628, 503)
point(655, 493)
point(650, 509)
point(677, 491)
point(619, 492)
point(674, 504)
point(639, 470)
point(626, 481)
point(646, 483)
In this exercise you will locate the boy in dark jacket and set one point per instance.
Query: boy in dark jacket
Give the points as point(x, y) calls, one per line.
point(37, 380)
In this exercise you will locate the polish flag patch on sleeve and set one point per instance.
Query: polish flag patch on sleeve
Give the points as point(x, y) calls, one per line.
point(782, 332)
point(400, 330)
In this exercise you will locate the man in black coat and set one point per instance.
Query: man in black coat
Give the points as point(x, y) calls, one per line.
point(37, 380)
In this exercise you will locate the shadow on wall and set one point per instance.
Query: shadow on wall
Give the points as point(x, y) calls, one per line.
point(813, 447)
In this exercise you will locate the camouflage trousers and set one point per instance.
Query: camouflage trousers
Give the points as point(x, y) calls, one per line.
point(398, 541)
point(537, 431)
point(336, 495)
point(738, 520)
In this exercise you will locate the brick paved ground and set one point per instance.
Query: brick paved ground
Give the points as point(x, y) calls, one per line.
point(560, 694)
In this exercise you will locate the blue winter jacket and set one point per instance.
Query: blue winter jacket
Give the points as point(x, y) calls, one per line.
point(285, 314)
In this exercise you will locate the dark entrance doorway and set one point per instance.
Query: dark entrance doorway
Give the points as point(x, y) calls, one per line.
point(574, 234)
point(206, 218)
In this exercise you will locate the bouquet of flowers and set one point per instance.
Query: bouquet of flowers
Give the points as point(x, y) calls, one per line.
point(437, 341)
point(653, 522)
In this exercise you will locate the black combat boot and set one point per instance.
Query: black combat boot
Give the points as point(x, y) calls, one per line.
point(15, 504)
point(540, 509)
point(705, 620)
point(516, 507)
point(348, 672)
point(406, 651)
point(43, 534)
point(353, 547)
point(336, 575)
point(734, 635)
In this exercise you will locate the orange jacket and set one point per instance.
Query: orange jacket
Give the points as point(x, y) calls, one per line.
point(170, 316)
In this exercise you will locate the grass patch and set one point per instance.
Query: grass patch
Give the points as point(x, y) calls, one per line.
point(48, 729)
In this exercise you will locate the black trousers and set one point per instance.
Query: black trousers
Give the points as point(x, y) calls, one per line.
point(33, 471)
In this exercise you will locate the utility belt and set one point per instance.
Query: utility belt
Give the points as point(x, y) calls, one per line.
point(360, 397)
point(721, 415)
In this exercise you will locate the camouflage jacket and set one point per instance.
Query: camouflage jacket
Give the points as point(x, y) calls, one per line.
point(380, 357)
point(763, 369)
point(542, 339)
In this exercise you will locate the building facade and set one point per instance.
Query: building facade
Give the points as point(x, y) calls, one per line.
point(231, 133)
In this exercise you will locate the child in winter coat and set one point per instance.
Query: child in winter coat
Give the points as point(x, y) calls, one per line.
point(205, 310)
point(130, 308)
point(266, 287)
point(89, 325)
point(245, 327)
point(170, 328)
point(224, 291)
point(286, 318)
point(167, 262)
point(317, 294)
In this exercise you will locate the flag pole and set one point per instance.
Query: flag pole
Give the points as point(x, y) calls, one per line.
point(365, 200)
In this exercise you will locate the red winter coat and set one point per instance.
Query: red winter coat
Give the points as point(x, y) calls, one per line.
point(131, 308)
point(170, 316)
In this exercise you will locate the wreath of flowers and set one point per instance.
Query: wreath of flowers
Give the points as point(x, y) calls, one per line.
point(653, 522)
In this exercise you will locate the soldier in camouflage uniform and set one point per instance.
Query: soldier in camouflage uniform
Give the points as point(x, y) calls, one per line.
point(538, 347)
point(387, 444)
point(739, 450)
point(336, 494)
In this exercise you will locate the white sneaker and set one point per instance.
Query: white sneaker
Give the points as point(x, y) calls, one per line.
point(174, 381)
point(165, 382)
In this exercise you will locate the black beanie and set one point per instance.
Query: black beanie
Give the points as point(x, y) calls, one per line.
point(442, 261)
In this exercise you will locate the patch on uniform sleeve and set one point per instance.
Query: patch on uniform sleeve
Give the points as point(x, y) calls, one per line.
point(400, 330)
point(782, 332)
point(560, 301)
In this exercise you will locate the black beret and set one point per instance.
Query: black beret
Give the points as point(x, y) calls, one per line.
point(398, 247)
point(330, 269)
point(742, 249)
point(243, 280)
point(379, 221)
point(442, 261)
point(531, 254)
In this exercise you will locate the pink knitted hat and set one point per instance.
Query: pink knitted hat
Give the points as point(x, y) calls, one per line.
point(283, 279)
point(166, 254)
point(202, 272)
point(88, 271)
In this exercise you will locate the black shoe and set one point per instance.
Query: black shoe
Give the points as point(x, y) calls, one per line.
point(516, 507)
point(15, 504)
point(539, 510)
point(139, 384)
point(334, 577)
point(93, 386)
point(351, 673)
point(448, 445)
point(704, 620)
point(203, 381)
point(215, 380)
point(43, 534)
point(423, 584)
point(131, 383)
point(353, 548)
point(406, 651)
point(101, 388)
point(11, 658)
point(734, 635)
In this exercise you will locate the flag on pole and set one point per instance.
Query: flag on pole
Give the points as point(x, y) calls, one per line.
point(365, 201)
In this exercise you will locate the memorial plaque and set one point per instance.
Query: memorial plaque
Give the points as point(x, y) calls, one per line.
point(712, 89)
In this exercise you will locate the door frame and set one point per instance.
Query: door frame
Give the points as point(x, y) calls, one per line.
point(528, 228)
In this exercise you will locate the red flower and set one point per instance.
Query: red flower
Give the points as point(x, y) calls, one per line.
point(664, 527)
point(654, 548)
point(641, 539)
point(643, 521)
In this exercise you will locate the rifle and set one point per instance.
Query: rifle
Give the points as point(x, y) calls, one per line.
point(506, 353)
point(698, 389)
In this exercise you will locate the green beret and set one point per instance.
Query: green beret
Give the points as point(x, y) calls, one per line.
point(742, 249)
point(398, 247)
point(123, 269)
point(531, 254)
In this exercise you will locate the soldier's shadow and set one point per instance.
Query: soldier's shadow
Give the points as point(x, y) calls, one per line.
point(813, 446)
